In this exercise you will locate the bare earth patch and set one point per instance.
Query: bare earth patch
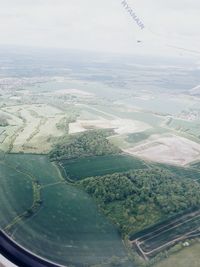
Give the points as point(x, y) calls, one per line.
point(120, 126)
point(169, 149)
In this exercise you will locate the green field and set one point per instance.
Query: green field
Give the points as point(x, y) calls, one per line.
point(161, 238)
point(138, 137)
point(36, 165)
point(146, 117)
point(78, 169)
point(68, 222)
point(188, 257)
point(16, 194)
point(97, 166)
point(186, 172)
point(69, 225)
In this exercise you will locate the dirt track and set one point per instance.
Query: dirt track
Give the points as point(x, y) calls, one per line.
point(141, 242)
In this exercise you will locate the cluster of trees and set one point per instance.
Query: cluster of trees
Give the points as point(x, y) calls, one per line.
point(137, 199)
point(63, 124)
point(89, 143)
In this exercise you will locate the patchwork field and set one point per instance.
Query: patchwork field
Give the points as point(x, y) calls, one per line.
point(31, 128)
point(56, 219)
point(170, 149)
point(12, 118)
point(126, 197)
point(96, 166)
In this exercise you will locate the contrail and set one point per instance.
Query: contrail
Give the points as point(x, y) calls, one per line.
point(184, 49)
point(142, 26)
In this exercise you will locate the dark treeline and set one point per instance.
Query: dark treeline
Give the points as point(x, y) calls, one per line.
point(89, 143)
point(137, 199)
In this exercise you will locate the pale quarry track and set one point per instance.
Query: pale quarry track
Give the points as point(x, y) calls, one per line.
point(171, 149)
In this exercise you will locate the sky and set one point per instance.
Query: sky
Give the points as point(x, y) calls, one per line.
point(103, 25)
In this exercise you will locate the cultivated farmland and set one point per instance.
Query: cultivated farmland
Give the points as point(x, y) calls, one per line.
point(67, 221)
point(166, 234)
point(16, 194)
point(169, 149)
point(96, 166)
point(31, 128)
point(120, 126)
point(99, 163)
